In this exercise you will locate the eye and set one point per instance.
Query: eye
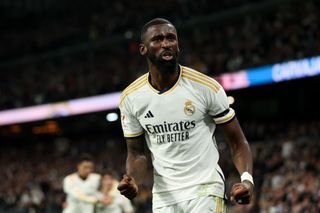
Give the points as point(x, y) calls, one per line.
point(157, 39)
point(171, 37)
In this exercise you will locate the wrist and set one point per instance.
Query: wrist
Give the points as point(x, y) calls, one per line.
point(246, 176)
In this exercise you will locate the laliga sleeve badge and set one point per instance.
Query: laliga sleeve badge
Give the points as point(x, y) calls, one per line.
point(189, 108)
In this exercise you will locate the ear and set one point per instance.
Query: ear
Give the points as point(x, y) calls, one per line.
point(143, 49)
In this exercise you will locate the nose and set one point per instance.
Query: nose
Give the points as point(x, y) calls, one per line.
point(166, 43)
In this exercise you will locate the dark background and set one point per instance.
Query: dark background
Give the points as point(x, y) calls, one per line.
point(59, 50)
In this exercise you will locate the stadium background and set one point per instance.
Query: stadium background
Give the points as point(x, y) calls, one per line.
point(53, 51)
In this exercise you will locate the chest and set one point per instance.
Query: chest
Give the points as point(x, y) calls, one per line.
point(87, 185)
point(179, 108)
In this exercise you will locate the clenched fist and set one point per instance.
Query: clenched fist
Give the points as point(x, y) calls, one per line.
point(242, 192)
point(128, 187)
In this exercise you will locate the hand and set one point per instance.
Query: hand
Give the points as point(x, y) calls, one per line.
point(128, 187)
point(242, 192)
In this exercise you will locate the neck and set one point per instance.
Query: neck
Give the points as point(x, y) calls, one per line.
point(163, 78)
point(82, 177)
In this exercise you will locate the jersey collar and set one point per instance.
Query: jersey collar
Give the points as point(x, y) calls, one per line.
point(168, 90)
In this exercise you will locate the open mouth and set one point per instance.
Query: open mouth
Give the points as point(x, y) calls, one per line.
point(167, 55)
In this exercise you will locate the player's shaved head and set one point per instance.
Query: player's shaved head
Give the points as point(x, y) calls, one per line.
point(155, 21)
point(85, 157)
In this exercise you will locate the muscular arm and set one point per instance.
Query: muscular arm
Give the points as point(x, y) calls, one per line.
point(136, 168)
point(241, 155)
point(136, 165)
point(239, 147)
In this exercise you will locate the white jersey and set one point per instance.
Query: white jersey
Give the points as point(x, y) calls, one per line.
point(120, 204)
point(82, 195)
point(179, 125)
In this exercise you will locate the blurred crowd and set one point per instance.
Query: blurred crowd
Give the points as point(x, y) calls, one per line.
point(286, 155)
point(33, 172)
point(286, 171)
point(283, 32)
point(85, 21)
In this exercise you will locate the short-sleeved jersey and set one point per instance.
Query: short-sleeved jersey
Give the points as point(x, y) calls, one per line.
point(82, 195)
point(179, 125)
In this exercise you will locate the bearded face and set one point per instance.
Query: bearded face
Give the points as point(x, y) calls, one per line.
point(160, 46)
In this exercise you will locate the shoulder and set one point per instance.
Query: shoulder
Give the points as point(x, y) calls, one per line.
point(200, 79)
point(95, 176)
point(71, 177)
point(137, 84)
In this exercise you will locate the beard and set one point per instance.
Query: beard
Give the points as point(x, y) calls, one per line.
point(164, 66)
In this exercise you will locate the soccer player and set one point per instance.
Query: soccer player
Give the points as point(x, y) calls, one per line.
point(82, 188)
point(176, 109)
point(118, 203)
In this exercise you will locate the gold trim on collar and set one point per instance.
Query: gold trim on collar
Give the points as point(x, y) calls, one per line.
point(168, 91)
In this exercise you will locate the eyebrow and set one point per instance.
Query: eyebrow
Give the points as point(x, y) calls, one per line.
point(170, 34)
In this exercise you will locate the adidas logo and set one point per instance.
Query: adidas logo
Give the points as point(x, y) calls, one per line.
point(149, 115)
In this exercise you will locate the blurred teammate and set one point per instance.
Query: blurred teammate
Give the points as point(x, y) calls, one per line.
point(176, 110)
point(118, 203)
point(82, 188)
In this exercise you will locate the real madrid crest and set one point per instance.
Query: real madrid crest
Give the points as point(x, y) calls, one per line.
point(189, 108)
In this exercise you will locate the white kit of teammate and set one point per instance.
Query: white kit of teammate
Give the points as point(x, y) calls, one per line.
point(174, 123)
point(119, 203)
point(82, 194)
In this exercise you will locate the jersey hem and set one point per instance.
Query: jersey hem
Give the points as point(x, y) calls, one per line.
point(229, 121)
point(188, 198)
point(133, 135)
